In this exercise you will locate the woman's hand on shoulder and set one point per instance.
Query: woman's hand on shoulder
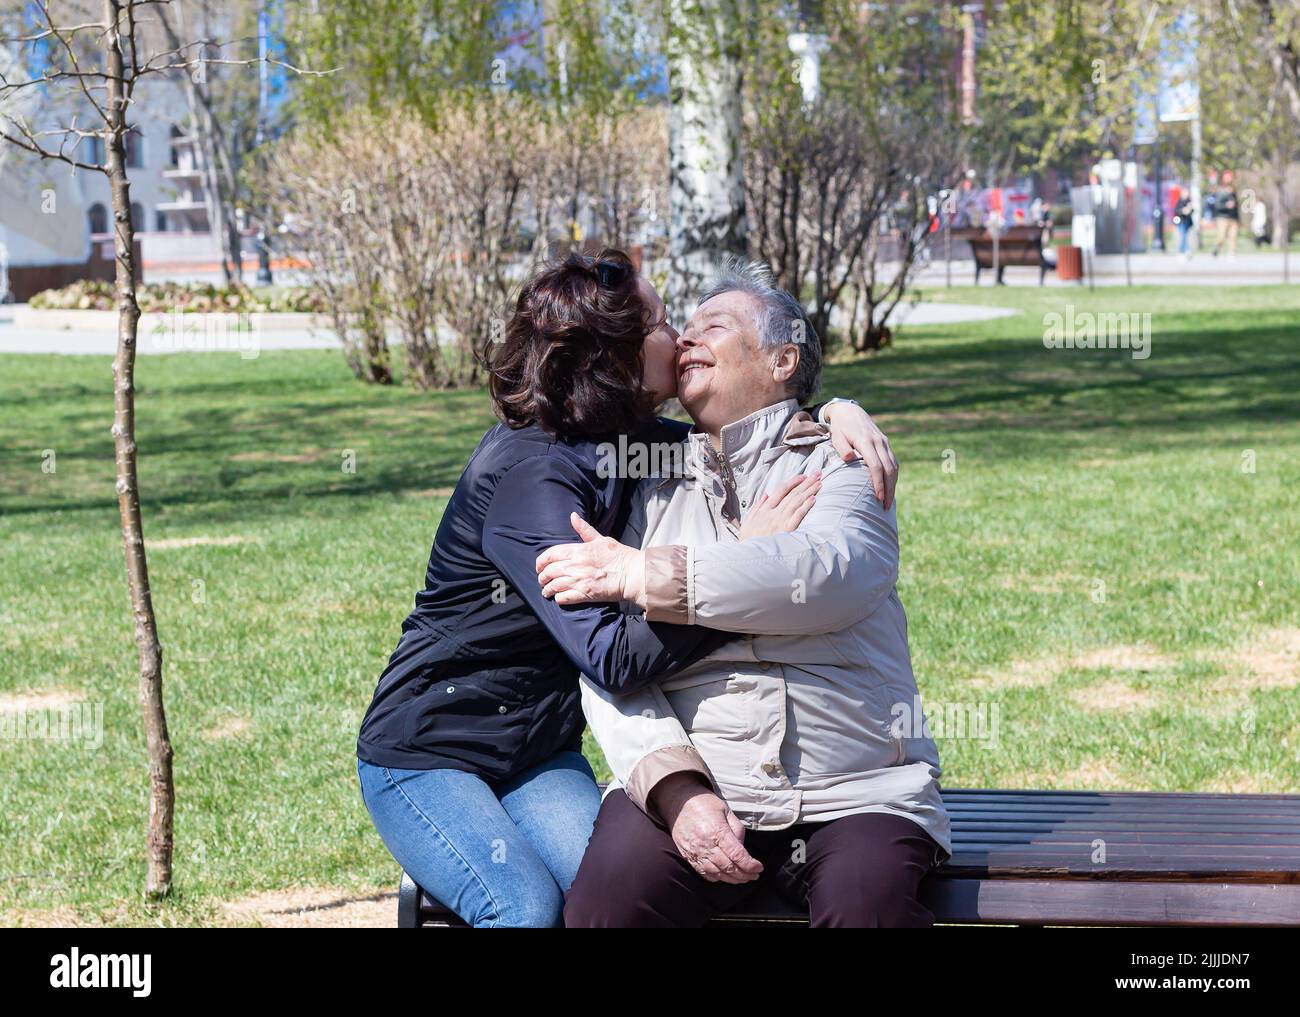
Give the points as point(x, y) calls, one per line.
point(598, 570)
point(783, 510)
point(853, 432)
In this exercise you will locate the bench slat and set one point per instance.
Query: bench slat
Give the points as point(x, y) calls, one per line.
point(1281, 845)
point(955, 797)
point(1021, 902)
point(1281, 825)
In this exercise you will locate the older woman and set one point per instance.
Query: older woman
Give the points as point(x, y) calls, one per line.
point(469, 756)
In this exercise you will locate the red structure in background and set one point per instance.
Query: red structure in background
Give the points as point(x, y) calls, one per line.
point(25, 281)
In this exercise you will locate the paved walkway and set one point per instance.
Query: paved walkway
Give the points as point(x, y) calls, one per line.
point(1246, 269)
point(946, 314)
point(104, 342)
point(13, 340)
point(1153, 269)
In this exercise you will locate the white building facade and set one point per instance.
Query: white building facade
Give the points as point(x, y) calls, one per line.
point(51, 214)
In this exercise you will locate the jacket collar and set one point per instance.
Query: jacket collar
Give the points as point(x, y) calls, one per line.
point(756, 439)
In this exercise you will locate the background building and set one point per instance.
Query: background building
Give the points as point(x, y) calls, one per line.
point(56, 222)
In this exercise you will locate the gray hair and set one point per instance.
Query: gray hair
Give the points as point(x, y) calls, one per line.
point(781, 320)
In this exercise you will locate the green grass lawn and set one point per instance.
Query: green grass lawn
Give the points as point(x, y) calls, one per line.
point(1084, 559)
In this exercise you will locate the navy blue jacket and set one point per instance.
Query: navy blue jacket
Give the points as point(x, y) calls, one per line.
point(485, 675)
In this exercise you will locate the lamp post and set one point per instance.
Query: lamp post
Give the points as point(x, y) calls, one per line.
point(1160, 207)
point(263, 250)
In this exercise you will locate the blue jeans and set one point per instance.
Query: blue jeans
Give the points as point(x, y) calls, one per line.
point(498, 858)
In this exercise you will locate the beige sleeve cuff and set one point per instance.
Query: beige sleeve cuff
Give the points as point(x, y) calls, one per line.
point(655, 766)
point(665, 584)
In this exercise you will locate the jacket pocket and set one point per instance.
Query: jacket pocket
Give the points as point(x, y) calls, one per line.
point(468, 714)
point(718, 705)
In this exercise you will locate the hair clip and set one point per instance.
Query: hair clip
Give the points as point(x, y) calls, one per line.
point(610, 274)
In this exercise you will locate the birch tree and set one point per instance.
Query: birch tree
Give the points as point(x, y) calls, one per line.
point(706, 174)
point(1280, 40)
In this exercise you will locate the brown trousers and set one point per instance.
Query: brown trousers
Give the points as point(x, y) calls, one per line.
point(862, 871)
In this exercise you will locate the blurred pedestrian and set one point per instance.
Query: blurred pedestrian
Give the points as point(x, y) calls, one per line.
point(1208, 225)
point(1046, 225)
point(1228, 216)
point(1259, 223)
point(1184, 214)
point(1148, 213)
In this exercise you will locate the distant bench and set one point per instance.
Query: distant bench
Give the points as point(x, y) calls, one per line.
point(1018, 245)
point(1079, 858)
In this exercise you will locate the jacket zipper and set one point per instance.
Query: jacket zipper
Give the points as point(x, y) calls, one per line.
point(729, 482)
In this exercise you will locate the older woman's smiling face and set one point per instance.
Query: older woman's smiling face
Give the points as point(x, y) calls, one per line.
point(723, 374)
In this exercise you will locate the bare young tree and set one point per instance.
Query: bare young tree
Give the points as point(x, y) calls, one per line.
point(214, 142)
point(107, 92)
point(627, 163)
point(838, 178)
point(320, 189)
point(405, 224)
point(87, 60)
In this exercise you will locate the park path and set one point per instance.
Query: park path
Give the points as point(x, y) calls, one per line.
point(103, 342)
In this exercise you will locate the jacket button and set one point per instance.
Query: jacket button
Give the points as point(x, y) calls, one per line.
point(451, 689)
point(501, 709)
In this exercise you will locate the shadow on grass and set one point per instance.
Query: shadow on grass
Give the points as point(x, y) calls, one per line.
point(1260, 366)
point(1209, 375)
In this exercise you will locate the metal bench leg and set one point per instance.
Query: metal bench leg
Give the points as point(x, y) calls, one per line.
point(408, 904)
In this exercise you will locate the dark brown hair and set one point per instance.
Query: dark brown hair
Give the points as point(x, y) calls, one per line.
point(572, 354)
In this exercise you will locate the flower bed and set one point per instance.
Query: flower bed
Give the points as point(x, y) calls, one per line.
point(96, 295)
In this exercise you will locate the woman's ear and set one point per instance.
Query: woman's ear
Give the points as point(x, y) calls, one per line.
point(784, 363)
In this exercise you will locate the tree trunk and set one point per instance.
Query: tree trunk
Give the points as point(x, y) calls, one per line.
point(706, 184)
point(1278, 215)
point(1282, 52)
point(161, 791)
point(218, 173)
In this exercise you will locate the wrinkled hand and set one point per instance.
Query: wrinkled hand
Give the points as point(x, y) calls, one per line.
point(784, 509)
point(598, 570)
point(707, 833)
point(853, 432)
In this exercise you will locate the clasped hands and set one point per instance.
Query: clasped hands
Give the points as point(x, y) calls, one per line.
point(602, 570)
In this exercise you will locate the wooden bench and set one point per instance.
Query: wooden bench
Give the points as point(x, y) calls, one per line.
point(1018, 245)
point(1036, 858)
